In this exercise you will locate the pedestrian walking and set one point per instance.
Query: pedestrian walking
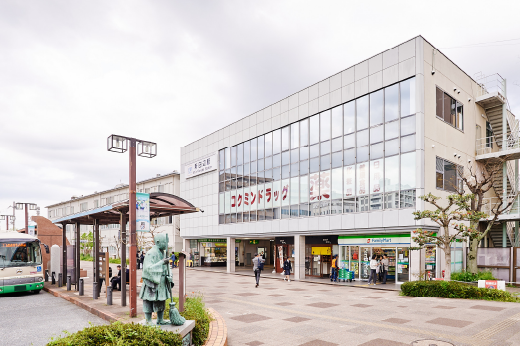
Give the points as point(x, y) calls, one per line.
point(138, 260)
point(287, 268)
point(373, 270)
point(384, 266)
point(258, 266)
point(173, 260)
point(142, 258)
point(334, 269)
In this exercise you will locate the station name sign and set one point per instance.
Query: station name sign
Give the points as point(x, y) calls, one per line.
point(206, 164)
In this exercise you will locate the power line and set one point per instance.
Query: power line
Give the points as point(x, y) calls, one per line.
point(485, 43)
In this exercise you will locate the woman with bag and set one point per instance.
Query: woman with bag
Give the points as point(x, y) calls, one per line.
point(287, 269)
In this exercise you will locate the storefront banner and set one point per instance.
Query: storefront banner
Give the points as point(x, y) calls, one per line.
point(322, 250)
point(284, 240)
point(142, 216)
point(326, 239)
point(32, 230)
point(378, 240)
point(206, 164)
point(212, 240)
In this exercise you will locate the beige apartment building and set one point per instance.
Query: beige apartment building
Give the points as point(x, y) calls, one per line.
point(110, 234)
point(338, 167)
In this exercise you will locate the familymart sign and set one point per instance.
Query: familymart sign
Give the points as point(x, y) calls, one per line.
point(375, 240)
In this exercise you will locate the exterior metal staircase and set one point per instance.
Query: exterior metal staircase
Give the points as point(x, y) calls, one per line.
point(495, 235)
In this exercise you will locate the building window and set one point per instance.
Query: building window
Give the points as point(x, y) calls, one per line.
point(489, 135)
point(449, 110)
point(83, 206)
point(448, 175)
point(160, 188)
point(355, 157)
point(96, 203)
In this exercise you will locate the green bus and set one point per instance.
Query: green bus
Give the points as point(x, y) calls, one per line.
point(20, 263)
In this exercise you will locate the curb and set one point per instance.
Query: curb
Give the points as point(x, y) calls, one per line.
point(101, 314)
point(217, 334)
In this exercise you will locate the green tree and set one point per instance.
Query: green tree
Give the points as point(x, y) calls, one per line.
point(87, 243)
point(479, 179)
point(453, 214)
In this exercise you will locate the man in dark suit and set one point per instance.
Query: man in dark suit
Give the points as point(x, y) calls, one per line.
point(116, 280)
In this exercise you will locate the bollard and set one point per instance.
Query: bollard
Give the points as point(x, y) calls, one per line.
point(80, 286)
point(109, 295)
point(60, 280)
point(95, 290)
point(46, 275)
point(69, 279)
point(53, 278)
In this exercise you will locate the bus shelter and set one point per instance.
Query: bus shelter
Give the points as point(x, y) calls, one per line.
point(161, 205)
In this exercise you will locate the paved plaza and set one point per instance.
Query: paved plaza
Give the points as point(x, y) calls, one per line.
point(315, 312)
point(308, 313)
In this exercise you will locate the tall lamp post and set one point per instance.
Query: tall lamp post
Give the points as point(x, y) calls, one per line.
point(6, 218)
point(119, 144)
point(27, 206)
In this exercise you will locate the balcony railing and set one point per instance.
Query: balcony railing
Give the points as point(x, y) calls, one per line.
point(489, 145)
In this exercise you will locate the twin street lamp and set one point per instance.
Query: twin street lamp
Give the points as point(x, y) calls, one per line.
point(27, 206)
point(119, 144)
point(6, 218)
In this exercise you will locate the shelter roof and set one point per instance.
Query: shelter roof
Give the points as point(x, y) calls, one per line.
point(161, 205)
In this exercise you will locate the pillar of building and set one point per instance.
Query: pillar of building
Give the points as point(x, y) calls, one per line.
point(185, 245)
point(230, 255)
point(299, 257)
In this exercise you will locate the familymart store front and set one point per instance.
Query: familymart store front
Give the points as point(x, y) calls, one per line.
point(357, 250)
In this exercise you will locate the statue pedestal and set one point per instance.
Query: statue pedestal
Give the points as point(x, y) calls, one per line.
point(183, 330)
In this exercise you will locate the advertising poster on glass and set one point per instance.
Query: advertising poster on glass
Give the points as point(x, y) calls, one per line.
point(142, 216)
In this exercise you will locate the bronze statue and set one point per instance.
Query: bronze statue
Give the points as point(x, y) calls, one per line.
point(157, 280)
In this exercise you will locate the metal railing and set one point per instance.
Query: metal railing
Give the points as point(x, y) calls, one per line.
point(488, 145)
point(490, 84)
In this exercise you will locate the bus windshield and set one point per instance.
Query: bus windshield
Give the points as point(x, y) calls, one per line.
point(18, 253)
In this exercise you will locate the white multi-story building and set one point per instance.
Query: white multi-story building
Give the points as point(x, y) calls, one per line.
point(109, 234)
point(338, 167)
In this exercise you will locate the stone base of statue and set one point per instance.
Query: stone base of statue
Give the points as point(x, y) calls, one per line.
point(184, 330)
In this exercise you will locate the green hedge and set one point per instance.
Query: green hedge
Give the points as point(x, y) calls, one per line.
point(136, 334)
point(451, 289)
point(194, 309)
point(470, 277)
point(83, 257)
point(119, 334)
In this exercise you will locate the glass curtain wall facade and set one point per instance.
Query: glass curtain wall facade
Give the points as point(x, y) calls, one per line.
point(355, 157)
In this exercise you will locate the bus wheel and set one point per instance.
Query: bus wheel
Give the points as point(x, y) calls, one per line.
point(36, 291)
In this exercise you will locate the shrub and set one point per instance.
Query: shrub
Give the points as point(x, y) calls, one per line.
point(83, 257)
point(119, 334)
point(194, 309)
point(470, 277)
point(451, 289)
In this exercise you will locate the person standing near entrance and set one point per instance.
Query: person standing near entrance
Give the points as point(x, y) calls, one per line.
point(138, 260)
point(287, 268)
point(334, 269)
point(258, 265)
point(373, 270)
point(384, 267)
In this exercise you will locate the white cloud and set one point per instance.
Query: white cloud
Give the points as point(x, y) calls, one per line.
point(173, 71)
